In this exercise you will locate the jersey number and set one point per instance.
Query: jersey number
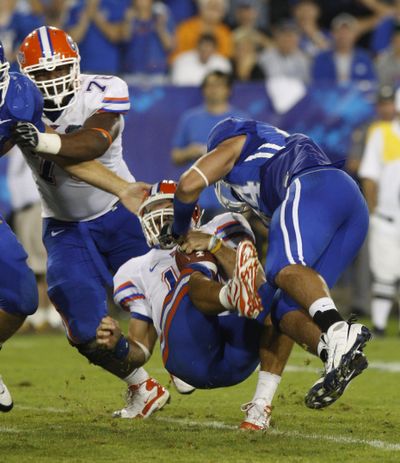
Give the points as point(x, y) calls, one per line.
point(250, 193)
point(169, 278)
point(93, 83)
point(46, 171)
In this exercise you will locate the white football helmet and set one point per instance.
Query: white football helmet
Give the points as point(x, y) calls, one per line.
point(158, 210)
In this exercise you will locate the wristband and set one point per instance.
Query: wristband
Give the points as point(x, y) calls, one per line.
point(182, 216)
point(48, 143)
point(214, 244)
point(121, 349)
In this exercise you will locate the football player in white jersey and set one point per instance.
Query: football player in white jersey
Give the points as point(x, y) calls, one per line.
point(202, 343)
point(87, 232)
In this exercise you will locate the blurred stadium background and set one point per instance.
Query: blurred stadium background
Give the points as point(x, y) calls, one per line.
point(142, 41)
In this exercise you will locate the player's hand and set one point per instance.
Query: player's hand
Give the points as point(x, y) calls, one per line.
point(25, 135)
point(108, 333)
point(133, 195)
point(167, 239)
point(195, 241)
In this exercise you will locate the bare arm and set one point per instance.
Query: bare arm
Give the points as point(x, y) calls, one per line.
point(89, 143)
point(95, 173)
point(127, 27)
point(204, 293)
point(214, 165)
point(78, 31)
point(370, 189)
point(113, 31)
point(166, 38)
point(143, 332)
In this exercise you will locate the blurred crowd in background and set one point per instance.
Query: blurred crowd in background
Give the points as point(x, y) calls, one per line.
point(178, 41)
point(214, 44)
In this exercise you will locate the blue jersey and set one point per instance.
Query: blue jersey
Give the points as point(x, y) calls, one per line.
point(23, 102)
point(269, 160)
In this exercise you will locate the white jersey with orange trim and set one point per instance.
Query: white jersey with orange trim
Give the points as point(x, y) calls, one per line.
point(67, 198)
point(142, 283)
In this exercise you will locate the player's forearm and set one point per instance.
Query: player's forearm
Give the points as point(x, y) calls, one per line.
point(226, 258)
point(83, 145)
point(204, 294)
point(136, 356)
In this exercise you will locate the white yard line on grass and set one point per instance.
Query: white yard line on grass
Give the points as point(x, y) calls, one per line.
point(336, 439)
point(10, 430)
point(41, 409)
point(220, 425)
point(387, 367)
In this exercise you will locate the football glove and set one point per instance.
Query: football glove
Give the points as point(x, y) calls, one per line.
point(26, 135)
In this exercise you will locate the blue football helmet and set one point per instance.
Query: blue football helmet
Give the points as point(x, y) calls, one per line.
point(4, 75)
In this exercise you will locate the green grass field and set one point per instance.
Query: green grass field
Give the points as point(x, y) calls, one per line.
point(63, 410)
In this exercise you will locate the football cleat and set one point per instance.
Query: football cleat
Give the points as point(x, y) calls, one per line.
point(181, 386)
point(258, 416)
point(6, 402)
point(143, 399)
point(242, 290)
point(343, 344)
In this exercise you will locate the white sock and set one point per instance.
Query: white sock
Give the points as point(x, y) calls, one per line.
point(321, 305)
point(380, 310)
point(266, 386)
point(137, 377)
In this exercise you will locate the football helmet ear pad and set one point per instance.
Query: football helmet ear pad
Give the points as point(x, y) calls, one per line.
point(45, 50)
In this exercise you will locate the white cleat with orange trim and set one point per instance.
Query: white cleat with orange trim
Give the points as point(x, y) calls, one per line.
point(258, 416)
point(242, 288)
point(143, 400)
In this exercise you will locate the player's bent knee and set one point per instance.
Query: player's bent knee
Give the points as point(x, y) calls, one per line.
point(81, 306)
point(22, 297)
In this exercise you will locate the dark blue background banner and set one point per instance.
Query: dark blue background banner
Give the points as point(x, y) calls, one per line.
point(328, 114)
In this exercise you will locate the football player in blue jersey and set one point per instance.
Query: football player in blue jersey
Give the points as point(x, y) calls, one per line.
point(19, 100)
point(318, 220)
